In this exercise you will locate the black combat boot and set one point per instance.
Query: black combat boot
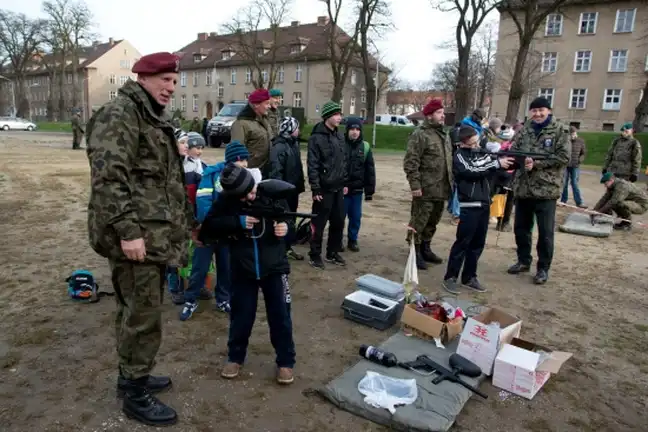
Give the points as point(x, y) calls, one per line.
point(428, 255)
point(141, 405)
point(154, 384)
point(353, 246)
point(420, 262)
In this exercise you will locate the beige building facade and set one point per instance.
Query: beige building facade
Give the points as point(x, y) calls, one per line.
point(590, 60)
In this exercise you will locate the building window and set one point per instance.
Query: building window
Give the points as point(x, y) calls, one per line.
point(183, 103)
point(583, 61)
point(226, 55)
point(549, 62)
point(608, 127)
point(209, 77)
point(554, 25)
point(612, 99)
point(112, 79)
point(264, 76)
point(221, 90)
point(248, 76)
point(124, 64)
point(646, 66)
point(352, 107)
point(363, 113)
point(280, 75)
point(298, 73)
point(183, 79)
point(172, 103)
point(194, 103)
point(578, 99)
point(297, 100)
point(575, 124)
point(68, 77)
point(112, 95)
point(363, 95)
point(281, 100)
point(618, 61)
point(588, 23)
point(196, 77)
point(354, 77)
point(123, 79)
point(624, 22)
point(232, 76)
point(547, 93)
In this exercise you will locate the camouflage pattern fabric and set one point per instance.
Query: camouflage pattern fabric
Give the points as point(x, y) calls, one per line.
point(77, 131)
point(425, 216)
point(545, 180)
point(255, 133)
point(138, 322)
point(137, 181)
point(623, 198)
point(196, 126)
point(623, 158)
point(428, 162)
point(273, 120)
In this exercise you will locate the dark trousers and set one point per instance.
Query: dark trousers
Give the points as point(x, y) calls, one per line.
point(469, 244)
point(200, 263)
point(293, 203)
point(545, 213)
point(508, 207)
point(353, 212)
point(244, 298)
point(330, 209)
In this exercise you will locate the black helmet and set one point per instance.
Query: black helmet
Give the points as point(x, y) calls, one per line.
point(195, 140)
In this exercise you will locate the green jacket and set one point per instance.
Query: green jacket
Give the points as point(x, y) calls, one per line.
point(273, 120)
point(137, 181)
point(255, 133)
point(623, 157)
point(621, 190)
point(77, 128)
point(545, 180)
point(428, 161)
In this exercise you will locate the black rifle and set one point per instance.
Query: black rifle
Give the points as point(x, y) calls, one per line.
point(267, 204)
point(519, 156)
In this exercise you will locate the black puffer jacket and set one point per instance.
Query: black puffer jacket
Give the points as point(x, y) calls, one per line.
point(286, 163)
point(327, 160)
point(473, 174)
point(362, 169)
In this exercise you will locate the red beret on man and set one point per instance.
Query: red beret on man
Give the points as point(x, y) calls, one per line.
point(259, 96)
point(157, 63)
point(433, 106)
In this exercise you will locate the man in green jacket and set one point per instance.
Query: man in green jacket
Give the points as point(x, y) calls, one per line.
point(428, 168)
point(623, 198)
point(77, 130)
point(253, 130)
point(623, 159)
point(538, 184)
point(139, 218)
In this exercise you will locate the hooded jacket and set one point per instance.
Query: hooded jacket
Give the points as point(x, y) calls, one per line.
point(286, 163)
point(361, 167)
point(256, 135)
point(326, 160)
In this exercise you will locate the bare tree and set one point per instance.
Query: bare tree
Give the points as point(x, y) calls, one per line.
point(485, 48)
point(19, 39)
point(259, 37)
point(471, 16)
point(528, 16)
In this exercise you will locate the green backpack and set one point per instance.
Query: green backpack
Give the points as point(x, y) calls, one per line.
point(367, 149)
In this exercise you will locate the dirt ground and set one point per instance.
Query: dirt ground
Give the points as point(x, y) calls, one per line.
point(57, 359)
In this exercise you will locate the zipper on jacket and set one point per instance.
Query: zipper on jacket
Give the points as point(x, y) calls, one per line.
point(472, 190)
point(256, 256)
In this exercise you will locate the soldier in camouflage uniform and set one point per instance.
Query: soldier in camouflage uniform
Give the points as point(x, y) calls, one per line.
point(273, 113)
point(623, 159)
point(623, 198)
point(77, 131)
point(538, 185)
point(139, 218)
point(428, 167)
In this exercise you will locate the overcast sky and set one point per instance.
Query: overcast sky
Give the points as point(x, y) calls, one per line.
point(168, 25)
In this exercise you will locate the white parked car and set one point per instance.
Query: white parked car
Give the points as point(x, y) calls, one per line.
point(16, 123)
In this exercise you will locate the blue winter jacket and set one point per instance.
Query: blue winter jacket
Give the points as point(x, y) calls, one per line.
point(208, 190)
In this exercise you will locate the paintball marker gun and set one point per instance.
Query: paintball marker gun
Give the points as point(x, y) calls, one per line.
point(519, 156)
point(269, 193)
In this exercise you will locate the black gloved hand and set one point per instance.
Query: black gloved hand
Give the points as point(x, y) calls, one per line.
point(368, 197)
point(633, 178)
point(603, 171)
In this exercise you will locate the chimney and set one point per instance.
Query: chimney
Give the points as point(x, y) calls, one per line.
point(322, 21)
point(213, 34)
point(294, 23)
point(111, 41)
point(202, 36)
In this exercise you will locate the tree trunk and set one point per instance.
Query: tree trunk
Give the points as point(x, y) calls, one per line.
point(518, 86)
point(462, 88)
point(51, 107)
point(75, 80)
point(61, 90)
point(370, 95)
point(641, 111)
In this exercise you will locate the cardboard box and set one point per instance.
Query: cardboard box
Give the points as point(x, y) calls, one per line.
point(480, 341)
point(429, 326)
point(521, 369)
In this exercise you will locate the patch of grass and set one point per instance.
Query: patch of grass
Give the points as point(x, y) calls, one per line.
point(641, 327)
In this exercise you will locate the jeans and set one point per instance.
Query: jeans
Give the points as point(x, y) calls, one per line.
point(245, 295)
point(545, 213)
point(200, 263)
point(469, 244)
point(571, 174)
point(353, 211)
point(453, 204)
point(173, 281)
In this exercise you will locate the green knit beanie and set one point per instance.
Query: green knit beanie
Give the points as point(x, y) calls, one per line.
point(275, 93)
point(605, 177)
point(330, 108)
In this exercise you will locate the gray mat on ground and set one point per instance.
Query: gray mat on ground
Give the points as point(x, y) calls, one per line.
point(579, 223)
point(436, 407)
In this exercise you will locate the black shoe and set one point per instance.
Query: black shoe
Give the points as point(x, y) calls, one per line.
point(420, 262)
point(428, 255)
point(293, 254)
point(154, 384)
point(622, 226)
point(316, 261)
point(342, 249)
point(353, 246)
point(518, 268)
point(541, 277)
point(335, 258)
point(178, 298)
point(139, 404)
point(475, 285)
point(451, 286)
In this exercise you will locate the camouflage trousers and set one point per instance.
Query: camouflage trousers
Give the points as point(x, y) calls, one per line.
point(76, 140)
point(138, 321)
point(425, 216)
point(625, 209)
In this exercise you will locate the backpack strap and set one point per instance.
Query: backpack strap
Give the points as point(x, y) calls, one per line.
point(367, 149)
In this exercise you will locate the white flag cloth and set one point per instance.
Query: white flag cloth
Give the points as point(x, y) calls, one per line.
point(410, 277)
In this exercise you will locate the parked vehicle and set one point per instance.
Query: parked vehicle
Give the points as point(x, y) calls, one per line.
point(393, 120)
point(219, 128)
point(16, 123)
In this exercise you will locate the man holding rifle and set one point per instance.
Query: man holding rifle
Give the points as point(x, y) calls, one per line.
point(538, 185)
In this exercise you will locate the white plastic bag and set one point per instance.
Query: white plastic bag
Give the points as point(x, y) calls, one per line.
point(410, 277)
point(381, 391)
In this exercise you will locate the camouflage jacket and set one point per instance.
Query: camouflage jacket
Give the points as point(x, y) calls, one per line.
point(273, 120)
point(621, 190)
point(624, 157)
point(137, 181)
point(255, 133)
point(196, 126)
point(428, 161)
point(77, 128)
point(544, 181)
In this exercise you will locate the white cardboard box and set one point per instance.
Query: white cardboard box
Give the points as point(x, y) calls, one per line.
point(480, 341)
point(519, 368)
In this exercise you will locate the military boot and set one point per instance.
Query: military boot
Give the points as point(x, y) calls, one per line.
point(141, 405)
point(428, 255)
point(154, 384)
point(420, 261)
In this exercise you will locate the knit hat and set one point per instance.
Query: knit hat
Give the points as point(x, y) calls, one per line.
point(288, 125)
point(626, 126)
point(540, 102)
point(275, 93)
point(495, 123)
point(258, 96)
point(573, 129)
point(235, 151)
point(605, 177)
point(465, 133)
point(432, 106)
point(236, 182)
point(179, 134)
point(479, 114)
point(353, 123)
point(331, 108)
point(506, 134)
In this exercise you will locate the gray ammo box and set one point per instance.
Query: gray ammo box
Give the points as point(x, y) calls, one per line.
point(378, 303)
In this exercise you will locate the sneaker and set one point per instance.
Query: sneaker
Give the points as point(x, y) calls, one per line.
point(335, 258)
point(231, 370)
point(205, 294)
point(223, 307)
point(475, 285)
point(622, 226)
point(451, 286)
point(177, 298)
point(188, 310)
point(581, 205)
point(317, 262)
point(541, 277)
point(285, 376)
point(518, 268)
point(353, 246)
point(294, 255)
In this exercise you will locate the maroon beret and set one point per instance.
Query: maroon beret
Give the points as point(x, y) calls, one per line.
point(162, 62)
point(433, 106)
point(258, 96)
